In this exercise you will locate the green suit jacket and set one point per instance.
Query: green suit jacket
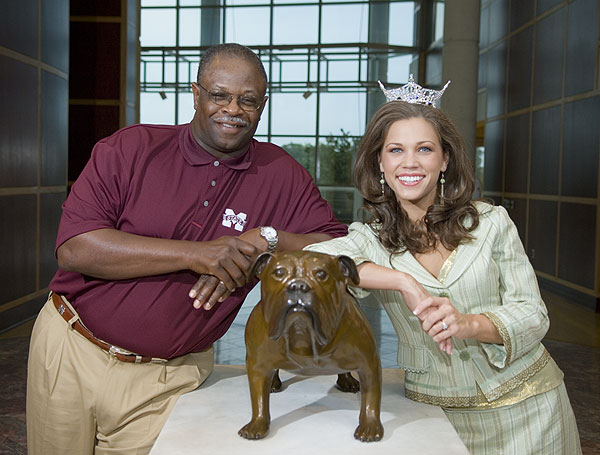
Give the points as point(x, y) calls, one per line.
point(490, 275)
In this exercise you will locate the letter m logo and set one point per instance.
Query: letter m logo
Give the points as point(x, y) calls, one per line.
point(231, 219)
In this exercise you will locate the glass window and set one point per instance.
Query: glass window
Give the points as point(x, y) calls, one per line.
point(189, 27)
point(155, 109)
point(158, 3)
point(151, 72)
point(245, 2)
point(263, 125)
point(399, 68)
point(438, 30)
point(248, 26)
point(295, 24)
point(293, 70)
point(187, 74)
point(185, 109)
point(293, 114)
point(345, 23)
point(342, 111)
point(315, 74)
point(339, 70)
point(336, 154)
point(401, 30)
point(157, 27)
point(301, 148)
point(342, 202)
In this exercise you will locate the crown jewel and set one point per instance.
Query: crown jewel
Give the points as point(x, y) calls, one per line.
point(414, 93)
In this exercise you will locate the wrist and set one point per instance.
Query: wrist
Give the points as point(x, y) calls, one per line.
point(403, 281)
point(269, 235)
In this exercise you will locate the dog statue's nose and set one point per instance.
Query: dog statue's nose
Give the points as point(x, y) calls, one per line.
point(298, 286)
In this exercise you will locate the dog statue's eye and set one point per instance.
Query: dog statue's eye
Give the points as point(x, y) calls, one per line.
point(279, 272)
point(321, 275)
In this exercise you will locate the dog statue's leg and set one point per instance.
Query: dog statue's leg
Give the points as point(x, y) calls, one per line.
point(369, 423)
point(260, 385)
point(347, 383)
point(276, 385)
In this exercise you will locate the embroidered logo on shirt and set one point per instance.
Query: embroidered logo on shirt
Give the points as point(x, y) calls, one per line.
point(238, 221)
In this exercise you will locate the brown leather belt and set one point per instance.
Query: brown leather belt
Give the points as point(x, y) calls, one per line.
point(116, 352)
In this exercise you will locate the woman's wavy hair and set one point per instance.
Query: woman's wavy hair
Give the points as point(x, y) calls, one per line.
point(448, 221)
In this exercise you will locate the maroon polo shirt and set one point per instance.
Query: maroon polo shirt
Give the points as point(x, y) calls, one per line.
point(156, 181)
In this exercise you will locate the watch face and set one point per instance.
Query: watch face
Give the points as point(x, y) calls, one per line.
point(269, 233)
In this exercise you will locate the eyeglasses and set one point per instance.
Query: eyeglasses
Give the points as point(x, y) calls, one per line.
point(220, 98)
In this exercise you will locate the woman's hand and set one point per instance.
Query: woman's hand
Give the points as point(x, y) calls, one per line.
point(423, 305)
point(441, 321)
point(373, 276)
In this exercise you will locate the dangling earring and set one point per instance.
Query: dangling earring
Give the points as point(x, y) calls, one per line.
point(442, 181)
point(382, 181)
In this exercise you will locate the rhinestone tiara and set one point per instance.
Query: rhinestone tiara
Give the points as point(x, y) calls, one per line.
point(414, 93)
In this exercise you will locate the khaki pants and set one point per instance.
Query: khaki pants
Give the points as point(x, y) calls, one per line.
point(81, 400)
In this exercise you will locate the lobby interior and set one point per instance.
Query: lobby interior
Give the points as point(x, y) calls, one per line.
point(535, 100)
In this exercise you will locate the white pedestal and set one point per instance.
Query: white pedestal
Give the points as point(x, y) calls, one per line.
point(309, 416)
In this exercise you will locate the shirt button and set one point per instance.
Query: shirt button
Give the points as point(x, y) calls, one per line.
point(464, 355)
point(216, 163)
point(213, 183)
point(205, 203)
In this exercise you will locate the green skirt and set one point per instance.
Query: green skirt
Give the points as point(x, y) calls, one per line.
point(542, 424)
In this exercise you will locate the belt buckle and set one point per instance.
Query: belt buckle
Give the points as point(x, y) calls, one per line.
point(113, 350)
point(61, 309)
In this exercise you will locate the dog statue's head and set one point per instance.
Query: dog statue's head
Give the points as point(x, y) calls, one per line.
point(304, 286)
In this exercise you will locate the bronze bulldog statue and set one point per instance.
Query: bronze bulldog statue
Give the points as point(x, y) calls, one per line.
point(308, 324)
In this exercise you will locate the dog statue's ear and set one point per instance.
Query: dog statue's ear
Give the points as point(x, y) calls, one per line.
point(348, 269)
point(259, 265)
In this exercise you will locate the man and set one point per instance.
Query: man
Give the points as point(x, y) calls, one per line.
point(156, 238)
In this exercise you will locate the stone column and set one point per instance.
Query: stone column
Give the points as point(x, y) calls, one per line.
point(460, 57)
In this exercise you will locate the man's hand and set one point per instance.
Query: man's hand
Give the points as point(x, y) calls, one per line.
point(209, 290)
point(227, 258)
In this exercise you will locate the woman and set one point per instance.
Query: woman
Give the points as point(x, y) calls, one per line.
point(458, 287)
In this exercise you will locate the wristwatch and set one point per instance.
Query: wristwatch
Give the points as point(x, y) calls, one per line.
point(270, 235)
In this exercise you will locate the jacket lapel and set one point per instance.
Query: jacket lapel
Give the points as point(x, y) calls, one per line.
point(406, 262)
point(468, 252)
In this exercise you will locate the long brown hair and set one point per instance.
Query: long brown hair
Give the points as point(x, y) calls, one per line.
point(449, 221)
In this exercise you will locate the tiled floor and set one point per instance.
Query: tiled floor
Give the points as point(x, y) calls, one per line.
point(573, 341)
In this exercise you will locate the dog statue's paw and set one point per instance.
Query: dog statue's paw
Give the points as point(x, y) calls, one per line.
point(255, 429)
point(369, 431)
point(347, 383)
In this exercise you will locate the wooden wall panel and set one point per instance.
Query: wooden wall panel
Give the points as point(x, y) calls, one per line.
point(87, 125)
point(519, 69)
point(551, 108)
point(18, 123)
point(549, 47)
point(545, 151)
point(18, 246)
point(54, 126)
point(541, 235)
point(517, 153)
point(19, 26)
point(577, 251)
point(95, 61)
point(580, 148)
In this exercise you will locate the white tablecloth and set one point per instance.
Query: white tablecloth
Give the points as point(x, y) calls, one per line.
point(310, 416)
